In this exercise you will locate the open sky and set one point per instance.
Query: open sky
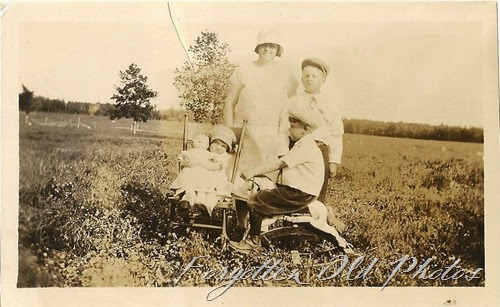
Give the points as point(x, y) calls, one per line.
point(412, 62)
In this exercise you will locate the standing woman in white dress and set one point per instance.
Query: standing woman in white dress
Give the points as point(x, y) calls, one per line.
point(258, 90)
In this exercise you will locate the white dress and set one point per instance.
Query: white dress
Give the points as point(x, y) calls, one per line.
point(202, 186)
point(197, 177)
point(263, 93)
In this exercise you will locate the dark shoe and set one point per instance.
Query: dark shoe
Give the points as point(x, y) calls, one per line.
point(237, 234)
point(202, 210)
point(183, 210)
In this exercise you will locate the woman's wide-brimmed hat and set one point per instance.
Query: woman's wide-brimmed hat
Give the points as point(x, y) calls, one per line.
point(269, 37)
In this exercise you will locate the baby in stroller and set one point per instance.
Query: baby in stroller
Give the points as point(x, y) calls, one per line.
point(204, 170)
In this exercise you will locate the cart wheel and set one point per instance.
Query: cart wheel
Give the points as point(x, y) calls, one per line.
point(302, 237)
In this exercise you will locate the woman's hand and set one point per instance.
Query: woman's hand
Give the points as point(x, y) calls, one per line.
point(231, 101)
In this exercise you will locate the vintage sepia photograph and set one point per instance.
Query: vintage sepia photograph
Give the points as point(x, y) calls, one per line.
point(251, 145)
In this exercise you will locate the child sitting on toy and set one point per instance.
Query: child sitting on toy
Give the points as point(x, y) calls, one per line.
point(203, 175)
point(301, 181)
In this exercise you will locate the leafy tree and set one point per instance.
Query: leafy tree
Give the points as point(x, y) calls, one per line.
point(102, 109)
point(172, 114)
point(44, 104)
point(156, 115)
point(203, 83)
point(75, 107)
point(133, 97)
point(26, 101)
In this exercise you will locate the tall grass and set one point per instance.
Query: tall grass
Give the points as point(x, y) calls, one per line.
point(93, 211)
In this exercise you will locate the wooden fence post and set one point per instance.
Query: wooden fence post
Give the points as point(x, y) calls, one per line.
point(78, 125)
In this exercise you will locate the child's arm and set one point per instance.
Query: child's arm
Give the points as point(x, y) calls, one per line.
point(334, 138)
point(335, 155)
point(263, 169)
point(221, 162)
point(184, 159)
point(211, 165)
point(335, 142)
point(300, 153)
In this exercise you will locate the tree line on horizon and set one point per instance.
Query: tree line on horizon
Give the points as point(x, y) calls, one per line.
point(354, 126)
point(414, 130)
point(44, 104)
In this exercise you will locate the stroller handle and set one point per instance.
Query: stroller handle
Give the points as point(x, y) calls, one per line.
point(185, 132)
point(238, 151)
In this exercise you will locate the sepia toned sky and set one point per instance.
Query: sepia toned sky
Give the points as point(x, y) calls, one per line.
point(412, 62)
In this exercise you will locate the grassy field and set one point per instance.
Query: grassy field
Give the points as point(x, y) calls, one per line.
point(93, 213)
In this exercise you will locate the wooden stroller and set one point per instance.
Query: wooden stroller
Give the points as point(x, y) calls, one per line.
point(224, 202)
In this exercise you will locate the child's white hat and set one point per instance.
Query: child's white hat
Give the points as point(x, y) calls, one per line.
point(303, 112)
point(269, 37)
point(224, 134)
